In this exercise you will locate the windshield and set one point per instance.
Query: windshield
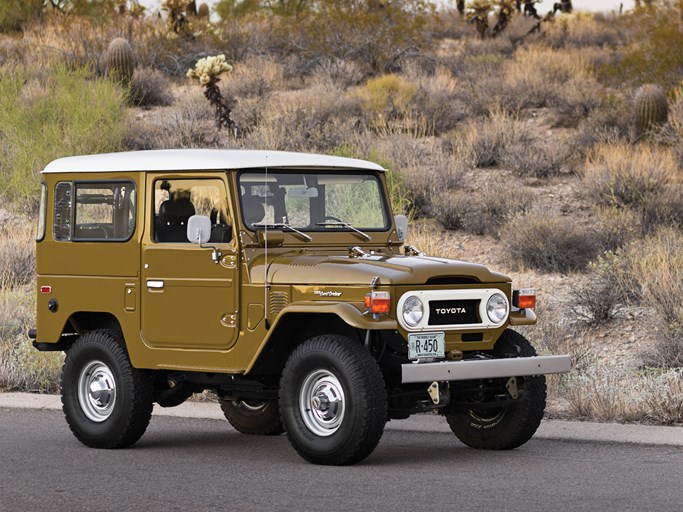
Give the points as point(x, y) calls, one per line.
point(313, 201)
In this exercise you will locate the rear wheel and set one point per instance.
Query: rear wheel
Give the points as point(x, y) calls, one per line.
point(512, 425)
point(333, 401)
point(107, 402)
point(255, 417)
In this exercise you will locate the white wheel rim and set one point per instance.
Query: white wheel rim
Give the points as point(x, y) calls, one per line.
point(322, 403)
point(96, 391)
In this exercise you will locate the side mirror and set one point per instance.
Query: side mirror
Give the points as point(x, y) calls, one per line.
point(401, 222)
point(199, 229)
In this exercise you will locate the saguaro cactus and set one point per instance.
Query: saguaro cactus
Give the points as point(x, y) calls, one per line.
point(203, 11)
point(120, 62)
point(651, 108)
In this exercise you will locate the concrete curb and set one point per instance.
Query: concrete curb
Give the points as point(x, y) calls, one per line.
point(549, 429)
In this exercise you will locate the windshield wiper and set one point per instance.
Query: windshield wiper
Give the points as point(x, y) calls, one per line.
point(346, 225)
point(286, 226)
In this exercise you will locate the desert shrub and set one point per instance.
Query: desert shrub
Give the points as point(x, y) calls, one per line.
point(537, 77)
point(641, 178)
point(583, 30)
point(255, 77)
point(549, 243)
point(338, 73)
point(599, 299)
point(23, 368)
point(439, 102)
point(609, 123)
point(150, 88)
point(67, 112)
point(655, 54)
point(656, 264)
point(538, 158)
point(371, 34)
point(315, 119)
point(17, 254)
point(484, 212)
point(577, 100)
point(671, 134)
point(424, 170)
point(617, 226)
point(386, 100)
point(15, 14)
point(481, 142)
point(190, 124)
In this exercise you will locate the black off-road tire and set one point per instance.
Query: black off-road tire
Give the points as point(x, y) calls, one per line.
point(253, 417)
point(126, 420)
point(319, 372)
point(510, 426)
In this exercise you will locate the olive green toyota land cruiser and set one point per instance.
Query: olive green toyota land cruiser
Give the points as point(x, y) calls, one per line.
point(280, 281)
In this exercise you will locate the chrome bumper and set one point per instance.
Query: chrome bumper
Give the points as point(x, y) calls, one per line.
point(484, 369)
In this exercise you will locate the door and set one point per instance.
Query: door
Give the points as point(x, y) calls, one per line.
point(189, 300)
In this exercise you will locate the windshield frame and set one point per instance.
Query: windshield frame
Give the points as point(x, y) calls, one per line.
point(375, 175)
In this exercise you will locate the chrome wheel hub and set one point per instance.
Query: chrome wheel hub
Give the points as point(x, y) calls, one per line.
point(96, 391)
point(322, 403)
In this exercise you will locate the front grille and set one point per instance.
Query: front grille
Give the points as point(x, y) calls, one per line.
point(454, 312)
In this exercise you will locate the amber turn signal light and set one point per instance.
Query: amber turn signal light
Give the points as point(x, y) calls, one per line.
point(524, 298)
point(378, 302)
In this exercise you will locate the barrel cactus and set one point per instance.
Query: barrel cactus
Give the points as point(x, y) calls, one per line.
point(651, 108)
point(120, 62)
point(203, 11)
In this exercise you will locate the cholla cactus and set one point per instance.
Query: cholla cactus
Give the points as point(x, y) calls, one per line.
point(478, 13)
point(177, 19)
point(207, 71)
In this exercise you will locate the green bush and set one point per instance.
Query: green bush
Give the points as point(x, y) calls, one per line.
point(65, 113)
point(14, 14)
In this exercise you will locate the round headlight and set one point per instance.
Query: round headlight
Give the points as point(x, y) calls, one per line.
point(413, 311)
point(497, 308)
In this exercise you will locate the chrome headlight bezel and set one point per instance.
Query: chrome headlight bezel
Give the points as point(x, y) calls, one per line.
point(497, 308)
point(414, 306)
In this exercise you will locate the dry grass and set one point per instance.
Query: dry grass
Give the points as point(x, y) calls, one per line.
point(17, 253)
point(644, 179)
point(483, 142)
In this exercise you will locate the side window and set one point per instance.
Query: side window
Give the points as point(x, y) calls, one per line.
point(42, 213)
point(104, 211)
point(175, 201)
point(62, 218)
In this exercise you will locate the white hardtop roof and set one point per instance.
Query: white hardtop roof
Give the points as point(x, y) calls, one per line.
point(203, 160)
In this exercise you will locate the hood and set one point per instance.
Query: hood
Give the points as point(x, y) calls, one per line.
point(392, 270)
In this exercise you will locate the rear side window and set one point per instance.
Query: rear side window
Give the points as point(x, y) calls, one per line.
point(63, 209)
point(42, 213)
point(101, 211)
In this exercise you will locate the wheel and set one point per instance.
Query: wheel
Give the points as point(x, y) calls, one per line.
point(255, 417)
point(107, 402)
point(507, 427)
point(333, 402)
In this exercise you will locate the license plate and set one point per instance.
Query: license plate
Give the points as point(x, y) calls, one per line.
point(426, 345)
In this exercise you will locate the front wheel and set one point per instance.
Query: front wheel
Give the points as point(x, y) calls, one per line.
point(254, 417)
point(512, 425)
point(332, 400)
point(107, 402)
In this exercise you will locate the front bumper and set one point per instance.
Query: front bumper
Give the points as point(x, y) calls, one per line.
point(484, 369)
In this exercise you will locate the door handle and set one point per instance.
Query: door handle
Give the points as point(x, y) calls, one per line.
point(157, 285)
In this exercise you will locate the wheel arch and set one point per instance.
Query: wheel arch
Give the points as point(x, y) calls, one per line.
point(299, 322)
point(79, 323)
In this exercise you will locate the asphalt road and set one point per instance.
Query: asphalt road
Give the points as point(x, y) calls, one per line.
point(200, 464)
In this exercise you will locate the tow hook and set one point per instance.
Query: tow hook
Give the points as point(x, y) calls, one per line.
point(511, 386)
point(438, 396)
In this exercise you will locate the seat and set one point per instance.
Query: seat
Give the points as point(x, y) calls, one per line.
point(221, 230)
point(171, 225)
point(253, 209)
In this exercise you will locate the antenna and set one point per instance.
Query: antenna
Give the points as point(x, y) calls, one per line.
point(265, 262)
